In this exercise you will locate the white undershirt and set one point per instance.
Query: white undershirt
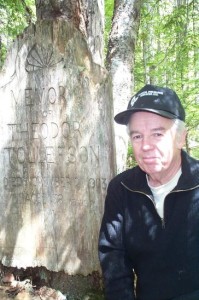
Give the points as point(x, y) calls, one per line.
point(160, 192)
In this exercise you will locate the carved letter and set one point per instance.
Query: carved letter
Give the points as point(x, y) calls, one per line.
point(54, 129)
point(21, 155)
point(71, 155)
point(65, 129)
point(28, 96)
point(44, 130)
point(52, 95)
point(95, 155)
point(62, 92)
point(83, 154)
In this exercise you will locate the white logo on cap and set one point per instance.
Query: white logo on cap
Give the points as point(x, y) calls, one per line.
point(133, 100)
point(146, 93)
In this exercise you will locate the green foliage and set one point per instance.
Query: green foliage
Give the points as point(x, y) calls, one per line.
point(167, 54)
point(109, 6)
point(131, 162)
point(15, 15)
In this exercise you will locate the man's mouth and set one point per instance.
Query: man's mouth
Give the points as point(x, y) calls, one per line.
point(150, 159)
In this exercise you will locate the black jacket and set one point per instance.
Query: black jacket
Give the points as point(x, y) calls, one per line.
point(163, 254)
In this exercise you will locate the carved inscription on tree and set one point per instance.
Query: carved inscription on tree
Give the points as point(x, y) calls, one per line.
point(56, 151)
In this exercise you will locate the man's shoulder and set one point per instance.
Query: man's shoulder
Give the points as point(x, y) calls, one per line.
point(190, 172)
point(127, 173)
point(129, 177)
point(189, 163)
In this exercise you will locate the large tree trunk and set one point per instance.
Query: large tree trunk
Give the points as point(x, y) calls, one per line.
point(58, 126)
point(120, 59)
point(86, 16)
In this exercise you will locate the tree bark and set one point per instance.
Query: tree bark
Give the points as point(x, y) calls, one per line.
point(120, 59)
point(86, 15)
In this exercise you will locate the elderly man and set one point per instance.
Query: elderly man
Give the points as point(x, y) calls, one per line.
point(149, 237)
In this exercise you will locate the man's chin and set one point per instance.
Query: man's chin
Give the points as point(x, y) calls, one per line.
point(152, 169)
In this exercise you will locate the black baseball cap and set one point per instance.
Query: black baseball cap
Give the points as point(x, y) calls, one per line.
point(158, 100)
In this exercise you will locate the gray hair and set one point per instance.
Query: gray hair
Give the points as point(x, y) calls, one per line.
point(180, 127)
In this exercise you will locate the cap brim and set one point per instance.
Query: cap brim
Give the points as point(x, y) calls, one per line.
point(123, 117)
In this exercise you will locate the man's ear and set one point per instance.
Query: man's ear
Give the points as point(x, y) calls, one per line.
point(181, 139)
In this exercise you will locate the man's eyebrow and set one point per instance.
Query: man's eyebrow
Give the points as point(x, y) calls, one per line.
point(161, 128)
point(134, 132)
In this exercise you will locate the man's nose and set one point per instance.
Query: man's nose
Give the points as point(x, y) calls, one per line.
point(147, 143)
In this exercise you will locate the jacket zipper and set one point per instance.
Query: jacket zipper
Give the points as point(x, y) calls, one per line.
point(151, 199)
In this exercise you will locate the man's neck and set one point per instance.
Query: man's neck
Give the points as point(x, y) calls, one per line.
point(164, 177)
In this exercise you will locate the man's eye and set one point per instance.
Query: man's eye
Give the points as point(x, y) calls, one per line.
point(136, 137)
point(157, 134)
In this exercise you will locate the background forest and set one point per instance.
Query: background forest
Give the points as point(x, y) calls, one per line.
point(166, 51)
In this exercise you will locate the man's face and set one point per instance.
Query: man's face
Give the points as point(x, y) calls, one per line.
point(157, 147)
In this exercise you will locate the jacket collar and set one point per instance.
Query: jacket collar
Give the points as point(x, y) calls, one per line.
point(135, 179)
point(190, 173)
